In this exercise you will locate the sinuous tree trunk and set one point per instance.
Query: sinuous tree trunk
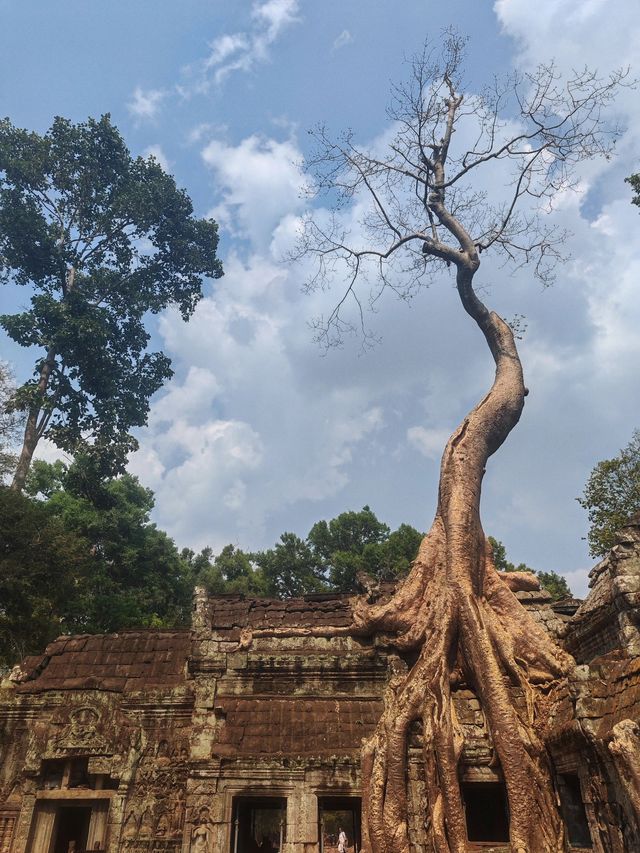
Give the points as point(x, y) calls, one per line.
point(460, 615)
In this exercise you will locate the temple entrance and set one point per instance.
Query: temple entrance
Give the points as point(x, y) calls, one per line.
point(336, 814)
point(259, 824)
point(71, 829)
point(573, 811)
point(69, 826)
point(486, 811)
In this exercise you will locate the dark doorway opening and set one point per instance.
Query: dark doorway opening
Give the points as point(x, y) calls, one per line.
point(336, 814)
point(72, 829)
point(573, 811)
point(486, 811)
point(259, 824)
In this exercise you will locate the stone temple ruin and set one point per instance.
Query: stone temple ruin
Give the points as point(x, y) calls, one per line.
point(191, 741)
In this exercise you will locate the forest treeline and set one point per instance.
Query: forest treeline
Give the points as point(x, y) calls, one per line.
point(80, 554)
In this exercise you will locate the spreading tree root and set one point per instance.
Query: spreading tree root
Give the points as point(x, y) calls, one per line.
point(492, 644)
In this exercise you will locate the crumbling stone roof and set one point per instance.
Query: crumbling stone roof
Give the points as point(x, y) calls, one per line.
point(123, 662)
point(229, 614)
point(609, 618)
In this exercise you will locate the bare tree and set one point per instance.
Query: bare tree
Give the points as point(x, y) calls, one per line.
point(427, 201)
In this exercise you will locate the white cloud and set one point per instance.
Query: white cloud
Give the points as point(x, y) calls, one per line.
point(145, 104)
point(224, 47)
point(158, 154)
point(342, 40)
point(275, 15)
point(260, 182)
point(48, 452)
point(430, 442)
point(217, 478)
point(243, 50)
point(298, 438)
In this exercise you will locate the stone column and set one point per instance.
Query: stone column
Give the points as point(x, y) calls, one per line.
point(41, 836)
point(98, 825)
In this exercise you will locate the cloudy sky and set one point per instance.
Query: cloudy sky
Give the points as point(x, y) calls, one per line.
point(259, 431)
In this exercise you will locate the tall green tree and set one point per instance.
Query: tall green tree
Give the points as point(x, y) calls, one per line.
point(612, 495)
point(291, 568)
point(100, 239)
point(232, 570)
point(340, 543)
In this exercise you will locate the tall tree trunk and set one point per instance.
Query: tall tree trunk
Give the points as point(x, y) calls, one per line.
point(468, 627)
point(33, 427)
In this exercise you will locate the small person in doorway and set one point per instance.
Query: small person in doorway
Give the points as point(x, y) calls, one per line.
point(266, 846)
point(342, 841)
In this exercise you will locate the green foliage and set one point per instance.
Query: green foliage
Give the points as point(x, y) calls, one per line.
point(612, 495)
point(341, 543)
point(8, 422)
point(501, 561)
point(100, 238)
point(634, 180)
point(330, 559)
point(555, 584)
point(233, 570)
point(551, 581)
point(40, 562)
point(72, 565)
point(291, 568)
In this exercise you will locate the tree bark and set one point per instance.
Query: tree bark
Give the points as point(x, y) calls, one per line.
point(33, 432)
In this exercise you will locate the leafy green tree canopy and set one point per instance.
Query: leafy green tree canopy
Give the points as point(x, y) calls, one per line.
point(232, 570)
point(100, 238)
point(634, 180)
point(357, 542)
point(135, 576)
point(291, 568)
point(612, 495)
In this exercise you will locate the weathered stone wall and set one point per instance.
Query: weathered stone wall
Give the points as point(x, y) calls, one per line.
point(610, 617)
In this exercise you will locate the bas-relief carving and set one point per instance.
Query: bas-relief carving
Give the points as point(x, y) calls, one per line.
point(202, 833)
point(81, 733)
point(155, 809)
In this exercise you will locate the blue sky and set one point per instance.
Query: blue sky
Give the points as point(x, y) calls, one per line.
point(258, 433)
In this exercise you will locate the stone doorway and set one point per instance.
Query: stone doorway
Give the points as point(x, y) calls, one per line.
point(69, 826)
point(573, 811)
point(486, 812)
point(71, 831)
point(259, 824)
point(334, 814)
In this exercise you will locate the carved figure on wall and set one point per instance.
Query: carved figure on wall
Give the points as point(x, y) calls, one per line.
point(177, 821)
point(162, 828)
point(130, 829)
point(81, 732)
point(146, 824)
point(202, 835)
